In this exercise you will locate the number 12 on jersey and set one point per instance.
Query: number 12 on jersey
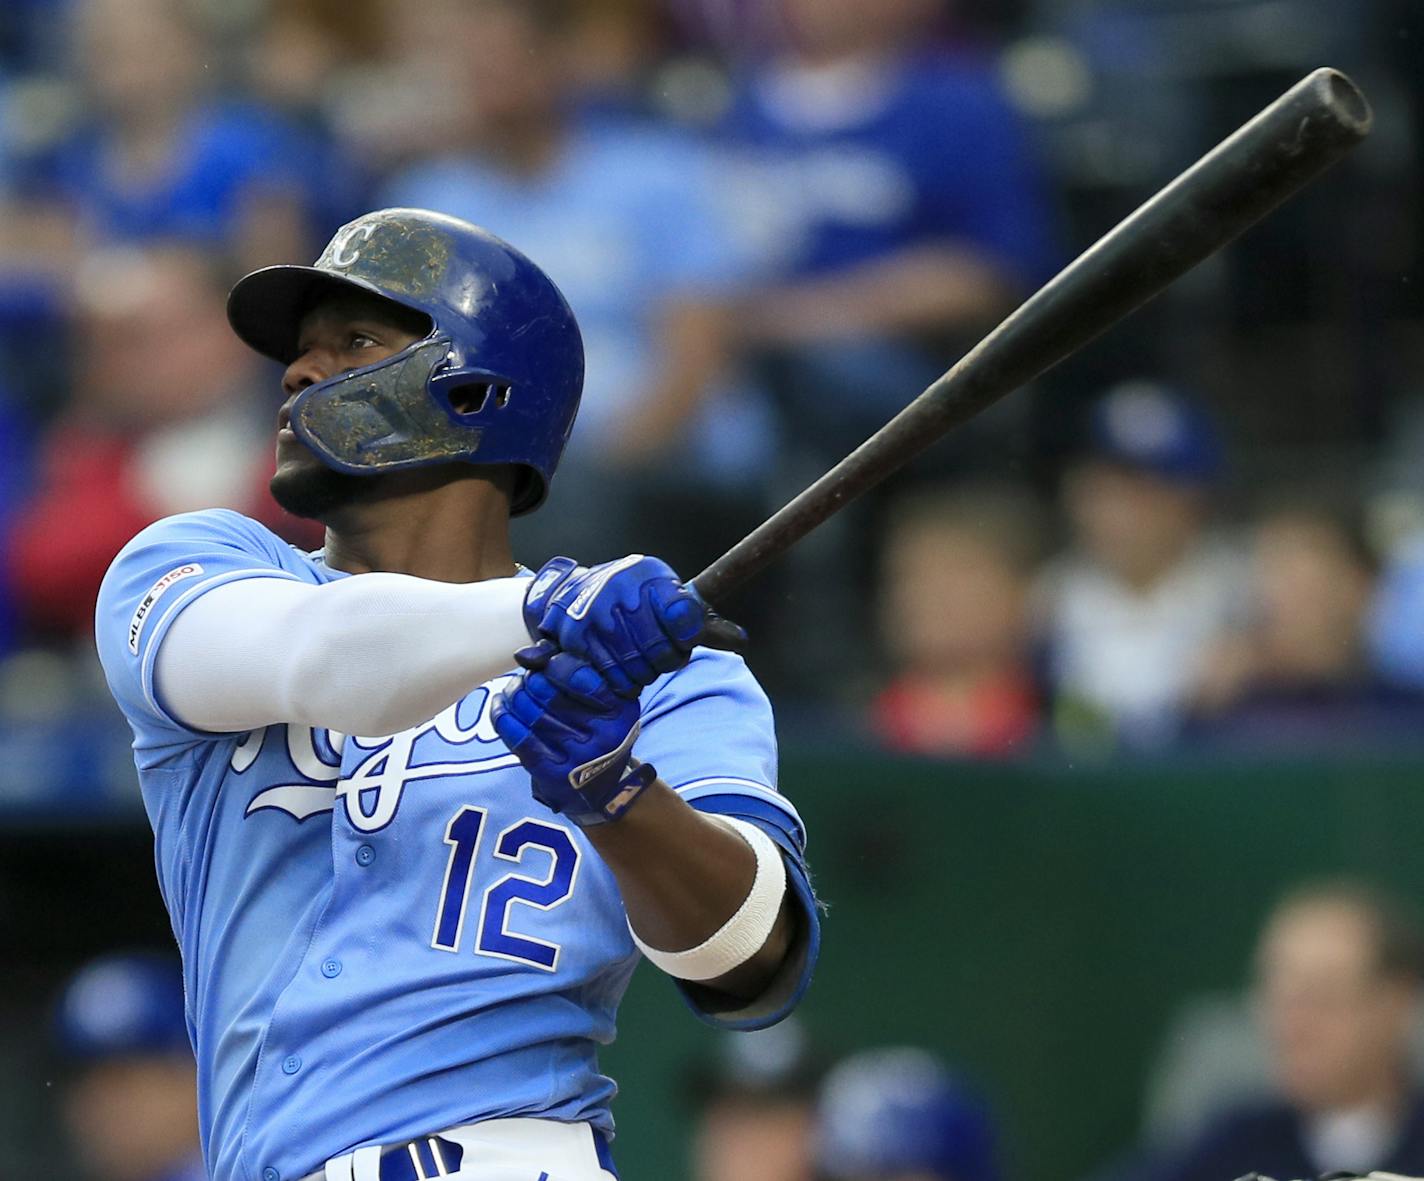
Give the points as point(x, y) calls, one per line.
point(494, 938)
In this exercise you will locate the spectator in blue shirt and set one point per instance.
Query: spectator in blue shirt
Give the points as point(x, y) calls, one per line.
point(159, 154)
point(899, 1114)
point(618, 211)
point(897, 201)
point(1396, 634)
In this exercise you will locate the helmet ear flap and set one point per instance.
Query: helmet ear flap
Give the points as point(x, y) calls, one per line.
point(473, 397)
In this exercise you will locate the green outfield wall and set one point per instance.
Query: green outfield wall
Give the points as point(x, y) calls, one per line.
point(1036, 925)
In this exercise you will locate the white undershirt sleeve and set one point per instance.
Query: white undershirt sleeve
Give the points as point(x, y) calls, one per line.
point(371, 654)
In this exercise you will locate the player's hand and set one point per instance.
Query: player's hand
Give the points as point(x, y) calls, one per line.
point(574, 735)
point(632, 620)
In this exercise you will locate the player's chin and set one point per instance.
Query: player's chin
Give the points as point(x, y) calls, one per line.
point(306, 487)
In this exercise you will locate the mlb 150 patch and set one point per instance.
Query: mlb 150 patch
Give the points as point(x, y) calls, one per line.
point(155, 592)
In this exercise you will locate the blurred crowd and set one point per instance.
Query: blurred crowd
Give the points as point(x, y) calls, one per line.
point(1153, 626)
point(1314, 1067)
point(777, 220)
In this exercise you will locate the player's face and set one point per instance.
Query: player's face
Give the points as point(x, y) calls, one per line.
point(338, 335)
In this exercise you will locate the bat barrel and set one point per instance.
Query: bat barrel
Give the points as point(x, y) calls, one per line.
point(1282, 149)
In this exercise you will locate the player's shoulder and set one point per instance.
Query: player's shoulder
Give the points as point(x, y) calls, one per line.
point(215, 531)
point(166, 566)
point(710, 731)
point(207, 522)
point(197, 549)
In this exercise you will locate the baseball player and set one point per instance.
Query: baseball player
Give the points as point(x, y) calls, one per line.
point(410, 872)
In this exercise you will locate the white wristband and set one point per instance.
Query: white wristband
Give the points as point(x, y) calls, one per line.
point(742, 935)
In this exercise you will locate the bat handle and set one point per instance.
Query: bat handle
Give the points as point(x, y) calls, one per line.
point(718, 631)
point(725, 575)
point(723, 634)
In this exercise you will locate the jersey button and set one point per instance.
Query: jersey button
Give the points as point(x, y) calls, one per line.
point(271, 1174)
point(291, 1064)
point(365, 855)
point(331, 969)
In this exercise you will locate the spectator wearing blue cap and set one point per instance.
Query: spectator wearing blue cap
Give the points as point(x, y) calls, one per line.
point(900, 1115)
point(1131, 611)
point(131, 1103)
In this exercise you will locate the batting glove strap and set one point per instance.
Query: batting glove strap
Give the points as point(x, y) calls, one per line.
point(616, 796)
point(742, 935)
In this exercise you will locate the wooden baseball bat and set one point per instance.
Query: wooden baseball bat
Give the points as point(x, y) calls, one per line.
point(1236, 184)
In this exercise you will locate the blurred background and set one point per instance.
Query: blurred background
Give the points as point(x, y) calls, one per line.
point(1107, 717)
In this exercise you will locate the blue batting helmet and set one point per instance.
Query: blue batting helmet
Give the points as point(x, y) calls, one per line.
point(888, 1113)
point(500, 333)
point(123, 1004)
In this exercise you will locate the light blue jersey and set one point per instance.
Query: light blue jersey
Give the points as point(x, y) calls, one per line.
point(385, 937)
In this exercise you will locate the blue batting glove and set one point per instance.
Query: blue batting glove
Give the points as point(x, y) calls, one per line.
point(551, 576)
point(631, 620)
point(574, 735)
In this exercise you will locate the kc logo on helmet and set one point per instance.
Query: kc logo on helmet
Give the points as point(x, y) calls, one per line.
point(155, 592)
point(345, 251)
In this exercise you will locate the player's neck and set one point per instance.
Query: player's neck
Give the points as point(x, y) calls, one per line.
point(454, 532)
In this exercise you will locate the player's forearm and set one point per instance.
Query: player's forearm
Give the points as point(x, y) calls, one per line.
point(683, 875)
point(705, 895)
point(372, 654)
